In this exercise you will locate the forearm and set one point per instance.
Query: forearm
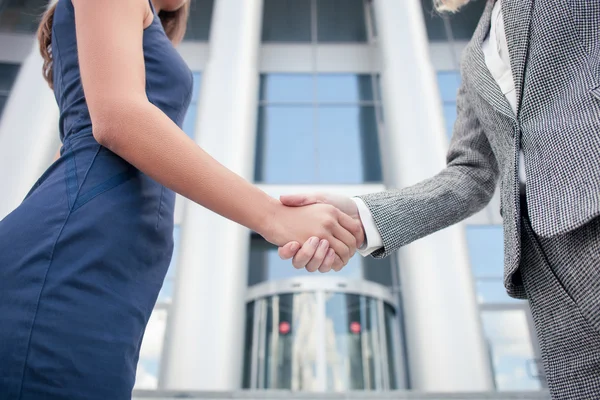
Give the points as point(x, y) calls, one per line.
point(405, 215)
point(149, 140)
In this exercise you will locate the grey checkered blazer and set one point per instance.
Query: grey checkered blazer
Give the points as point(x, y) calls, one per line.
point(554, 48)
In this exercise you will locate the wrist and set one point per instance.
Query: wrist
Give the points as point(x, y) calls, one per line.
point(267, 225)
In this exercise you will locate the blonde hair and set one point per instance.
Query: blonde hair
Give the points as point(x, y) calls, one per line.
point(174, 23)
point(449, 5)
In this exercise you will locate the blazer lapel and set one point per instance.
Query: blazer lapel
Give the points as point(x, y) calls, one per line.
point(479, 72)
point(517, 19)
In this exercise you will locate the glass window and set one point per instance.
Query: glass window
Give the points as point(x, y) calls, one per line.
point(486, 250)
point(199, 21)
point(8, 75)
point(286, 21)
point(317, 129)
point(486, 253)
point(265, 264)
point(151, 351)
point(341, 21)
point(249, 341)
point(449, 109)
point(21, 16)
point(352, 341)
point(166, 292)
point(380, 270)
point(286, 88)
point(448, 83)
point(513, 357)
point(290, 348)
point(189, 123)
point(306, 21)
point(462, 24)
point(344, 88)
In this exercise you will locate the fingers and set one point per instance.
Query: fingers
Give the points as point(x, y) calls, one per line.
point(306, 253)
point(289, 250)
point(319, 256)
point(338, 264)
point(327, 264)
point(342, 250)
point(353, 226)
point(297, 200)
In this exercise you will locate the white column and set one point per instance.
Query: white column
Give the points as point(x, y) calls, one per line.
point(206, 326)
point(445, 343)
point(28, 133)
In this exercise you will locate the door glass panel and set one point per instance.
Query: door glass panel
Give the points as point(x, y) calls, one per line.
point(351, 341)
point(392, 334)
point(249, 340)
point(291, 352)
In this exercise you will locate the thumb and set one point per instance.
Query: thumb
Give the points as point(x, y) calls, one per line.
point(297, 200)
point(289, 250)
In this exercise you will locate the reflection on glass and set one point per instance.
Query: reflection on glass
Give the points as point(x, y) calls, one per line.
point(327, 135)
point(199, 21)
point(341, 21)
point(291, 351)
point(286, 21)
point(248, 340)
point(347, 138)
point(513, 357)
point(266, 265)
point(287, 148)
point(287, 88)
point(151, 351)
point(392, 334)
point(21, 16)
point(352, 343)
point(344, 88)
point(355, 348)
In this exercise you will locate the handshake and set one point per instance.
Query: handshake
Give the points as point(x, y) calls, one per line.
point(317, 231)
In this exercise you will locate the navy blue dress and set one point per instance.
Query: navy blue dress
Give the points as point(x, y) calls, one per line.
point(83, 258)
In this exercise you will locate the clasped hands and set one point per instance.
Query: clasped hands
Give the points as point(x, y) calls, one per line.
point(329, 225)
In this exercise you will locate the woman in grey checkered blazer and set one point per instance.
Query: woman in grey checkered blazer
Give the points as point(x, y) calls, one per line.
point(538, 133)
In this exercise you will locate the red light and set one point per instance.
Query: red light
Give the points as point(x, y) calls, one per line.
point(355, 327)
point(284, 328)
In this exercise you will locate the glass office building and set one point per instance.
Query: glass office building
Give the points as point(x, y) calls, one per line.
point(340, 96)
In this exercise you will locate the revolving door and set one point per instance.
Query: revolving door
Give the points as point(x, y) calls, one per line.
point(322, 334)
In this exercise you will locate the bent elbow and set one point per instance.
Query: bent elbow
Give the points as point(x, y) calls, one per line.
point(103, 133)
point(112, 122)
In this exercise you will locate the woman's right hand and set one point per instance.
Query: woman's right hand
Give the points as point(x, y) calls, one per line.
point(288, 224)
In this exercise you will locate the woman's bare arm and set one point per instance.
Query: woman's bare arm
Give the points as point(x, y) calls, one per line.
point(109, 36)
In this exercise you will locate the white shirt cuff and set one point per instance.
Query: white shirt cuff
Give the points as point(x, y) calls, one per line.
point(373, 240)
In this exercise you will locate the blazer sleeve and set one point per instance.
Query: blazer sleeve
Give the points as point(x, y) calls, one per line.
point(464, 187)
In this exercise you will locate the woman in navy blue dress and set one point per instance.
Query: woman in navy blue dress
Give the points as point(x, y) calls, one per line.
point(83, 258)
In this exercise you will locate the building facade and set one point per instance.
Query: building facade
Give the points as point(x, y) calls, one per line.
point(340, 96)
